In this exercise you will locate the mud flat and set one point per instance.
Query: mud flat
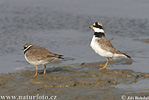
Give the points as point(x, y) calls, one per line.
point(75, 82)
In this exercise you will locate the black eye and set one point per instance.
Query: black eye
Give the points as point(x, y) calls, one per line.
point(100, 26)
point(25, 47)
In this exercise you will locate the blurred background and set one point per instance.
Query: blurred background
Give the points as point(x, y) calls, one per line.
point(62, 26)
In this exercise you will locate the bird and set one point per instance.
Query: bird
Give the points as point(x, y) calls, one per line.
point(102, 46)
point(36, 55)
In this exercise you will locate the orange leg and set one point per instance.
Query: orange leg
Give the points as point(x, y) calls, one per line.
point(105, 65)
point(36, 71)
point(44, 69)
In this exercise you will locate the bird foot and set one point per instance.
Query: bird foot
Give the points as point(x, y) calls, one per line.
point(35, 75)
point(102, 68)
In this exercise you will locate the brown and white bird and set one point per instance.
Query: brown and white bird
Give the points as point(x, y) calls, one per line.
point(102, 46)
point(36, 55)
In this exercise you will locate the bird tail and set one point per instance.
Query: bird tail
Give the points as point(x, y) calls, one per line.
point(124, 54)
point(59, 56)
point(127, 55)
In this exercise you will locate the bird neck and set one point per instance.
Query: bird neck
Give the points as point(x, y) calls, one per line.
point(99, 34)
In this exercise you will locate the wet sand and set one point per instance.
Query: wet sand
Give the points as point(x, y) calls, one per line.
point(74, 82)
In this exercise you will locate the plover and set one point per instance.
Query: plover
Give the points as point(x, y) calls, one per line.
point(102, 46)
point(36, 55)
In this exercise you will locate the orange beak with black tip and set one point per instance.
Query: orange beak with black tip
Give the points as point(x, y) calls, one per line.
point(91, 26)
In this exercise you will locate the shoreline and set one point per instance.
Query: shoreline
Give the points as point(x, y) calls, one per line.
point(78, 81)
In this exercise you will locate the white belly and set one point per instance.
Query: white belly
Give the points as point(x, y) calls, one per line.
point(97, 48)
point(41, 62)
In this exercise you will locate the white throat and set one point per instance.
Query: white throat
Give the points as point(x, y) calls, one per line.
point(98, 30)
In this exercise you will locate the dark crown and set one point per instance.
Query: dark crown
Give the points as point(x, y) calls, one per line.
point(98, 25)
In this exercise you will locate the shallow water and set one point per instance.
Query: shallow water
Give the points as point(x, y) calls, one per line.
point(62, 27)
point(141, 85)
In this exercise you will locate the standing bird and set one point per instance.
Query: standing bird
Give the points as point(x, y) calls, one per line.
point(36, 55)
point(102, 46)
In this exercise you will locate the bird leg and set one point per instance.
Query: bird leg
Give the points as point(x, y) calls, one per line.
point(36, 71)
point(44, 69)
point(105, 66)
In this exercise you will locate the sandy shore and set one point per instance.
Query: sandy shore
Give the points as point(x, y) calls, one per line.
point(75, 82)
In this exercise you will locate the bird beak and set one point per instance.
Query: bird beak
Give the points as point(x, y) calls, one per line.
point(91, 26)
